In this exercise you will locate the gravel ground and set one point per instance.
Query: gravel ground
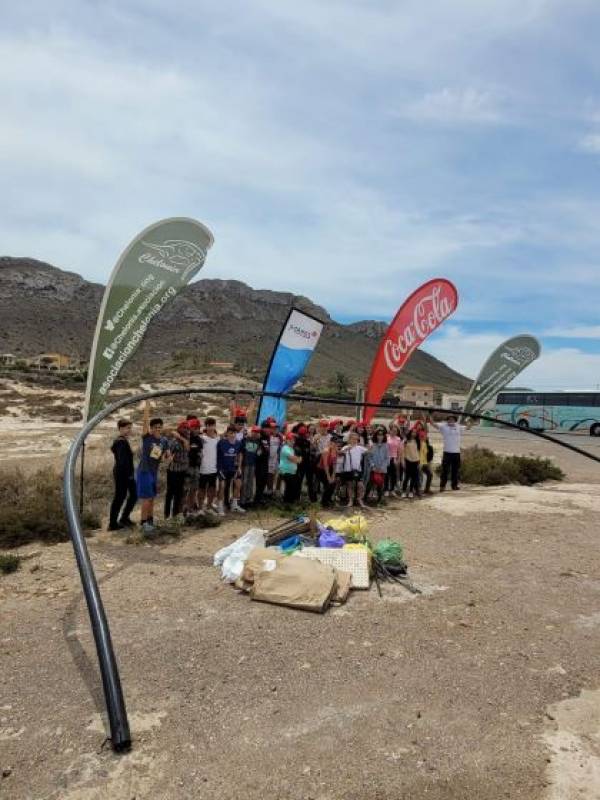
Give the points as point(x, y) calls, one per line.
point(485, 686)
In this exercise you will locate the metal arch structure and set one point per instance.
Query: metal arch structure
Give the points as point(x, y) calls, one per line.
point(115, 703)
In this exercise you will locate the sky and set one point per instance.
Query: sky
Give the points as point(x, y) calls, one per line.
point(346, 150)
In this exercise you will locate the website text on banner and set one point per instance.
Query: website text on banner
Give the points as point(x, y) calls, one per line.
point(153, 269)
point(503, 366)
point(420, 314)
point(296, 344)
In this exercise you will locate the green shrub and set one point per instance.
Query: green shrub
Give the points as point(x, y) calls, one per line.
point(486, 468)
point(31, 507)
point(9, 563)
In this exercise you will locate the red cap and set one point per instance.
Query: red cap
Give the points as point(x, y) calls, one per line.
point(302, 430)
point(193, 424)
point(289, 437)
point(183, 426)
point(256, 429)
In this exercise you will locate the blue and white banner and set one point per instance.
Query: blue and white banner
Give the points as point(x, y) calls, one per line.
point(296, 344)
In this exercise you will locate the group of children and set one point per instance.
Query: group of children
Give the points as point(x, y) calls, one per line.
point(348, 462)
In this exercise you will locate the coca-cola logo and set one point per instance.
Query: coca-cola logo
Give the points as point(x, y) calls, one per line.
point(427, 315)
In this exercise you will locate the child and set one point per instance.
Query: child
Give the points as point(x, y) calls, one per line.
point(251, 449)
point(411, 466)
point(395, 450)
point(192, 480)
point(262, 466)
point(353, 470)
point(176, 471)
point(207, 484)
point(154, 449)
point(327, 472)
point(426, 457)
point(274, 448)
point(124, 476)
point(379, 458)
point(229, 469)
point(288, 469)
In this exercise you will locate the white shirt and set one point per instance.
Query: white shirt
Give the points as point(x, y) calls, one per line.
point(353, 458)
point(323, 441)
point(451, 436)
point(208, 465)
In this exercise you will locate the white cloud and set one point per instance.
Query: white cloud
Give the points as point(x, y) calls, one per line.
point(577, 332)
point(271, 124)
point(559, 368)
point(455, 107)
point(591, 143)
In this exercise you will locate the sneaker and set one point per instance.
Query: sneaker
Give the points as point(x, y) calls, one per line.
point(410, 495)
point(386, 494)
point(221, 510)
point(403, 496)
point(456, 488)
point(127, 523)
point(442, 489)
point(238, 509)
point(148, 529)
point(116, 527)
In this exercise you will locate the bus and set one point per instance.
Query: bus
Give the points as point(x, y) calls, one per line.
point(554, 411)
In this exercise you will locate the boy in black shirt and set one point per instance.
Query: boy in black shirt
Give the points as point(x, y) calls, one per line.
point(123, 473)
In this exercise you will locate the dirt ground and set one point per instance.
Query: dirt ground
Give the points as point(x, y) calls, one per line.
point(485, 686)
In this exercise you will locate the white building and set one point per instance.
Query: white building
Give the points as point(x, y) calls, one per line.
point(454, 402)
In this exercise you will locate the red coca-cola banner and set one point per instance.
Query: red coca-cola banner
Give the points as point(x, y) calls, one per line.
point(420, 314)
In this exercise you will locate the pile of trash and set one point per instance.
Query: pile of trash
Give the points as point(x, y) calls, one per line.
point(305, 564)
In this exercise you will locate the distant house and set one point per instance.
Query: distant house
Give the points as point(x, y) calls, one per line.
point(55, 362)
point(7, 359)
point(454, 402)
point(416, 395)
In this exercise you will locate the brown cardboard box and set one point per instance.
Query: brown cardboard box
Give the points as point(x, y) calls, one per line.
point(296, 582)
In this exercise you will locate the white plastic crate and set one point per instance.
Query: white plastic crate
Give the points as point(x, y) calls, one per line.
point(354, 561)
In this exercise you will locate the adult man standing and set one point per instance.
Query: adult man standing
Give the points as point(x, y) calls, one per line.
point(451, 434)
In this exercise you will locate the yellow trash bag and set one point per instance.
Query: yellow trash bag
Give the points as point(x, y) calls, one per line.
point(356, 525)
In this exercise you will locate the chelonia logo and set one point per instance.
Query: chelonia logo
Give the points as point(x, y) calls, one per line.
point(519, 356)
point(174, 255)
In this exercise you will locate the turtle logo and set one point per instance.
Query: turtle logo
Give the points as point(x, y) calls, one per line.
point(174, 255)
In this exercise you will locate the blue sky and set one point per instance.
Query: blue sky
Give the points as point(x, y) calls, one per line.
point(347, 151)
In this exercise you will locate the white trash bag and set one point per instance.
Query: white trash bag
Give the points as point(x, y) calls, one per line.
point(232, 558)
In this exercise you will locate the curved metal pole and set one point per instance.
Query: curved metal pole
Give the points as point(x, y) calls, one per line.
point(115, 703)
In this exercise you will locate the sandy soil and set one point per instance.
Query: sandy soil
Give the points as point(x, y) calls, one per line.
point(486, 686)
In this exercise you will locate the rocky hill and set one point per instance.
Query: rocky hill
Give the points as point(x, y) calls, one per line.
point(44, 309)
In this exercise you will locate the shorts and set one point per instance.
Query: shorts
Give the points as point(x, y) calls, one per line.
point(146, 484)
point(207, 481)
point(227, 476)
point(350, 477)
point(192, 478)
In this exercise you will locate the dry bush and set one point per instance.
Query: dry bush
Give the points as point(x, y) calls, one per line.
point(486, 468)
point(31, 508)
point(9, 563)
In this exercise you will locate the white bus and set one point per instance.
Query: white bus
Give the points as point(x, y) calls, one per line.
point(564, 411)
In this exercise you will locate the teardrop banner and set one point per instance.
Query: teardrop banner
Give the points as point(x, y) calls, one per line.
point(419, 316)
point(154, 268)
point(293, 350)
point(505, 363)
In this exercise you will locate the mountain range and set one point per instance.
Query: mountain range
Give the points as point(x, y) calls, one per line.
point(46, 309)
